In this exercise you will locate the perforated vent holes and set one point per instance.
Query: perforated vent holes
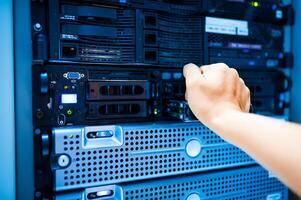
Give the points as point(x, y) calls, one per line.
point(148, 150)
point(245, 183)
point(250, 183)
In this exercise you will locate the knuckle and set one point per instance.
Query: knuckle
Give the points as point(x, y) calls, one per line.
point(189, 65)
point(242, 81)
point(223, 66)
point(187, 69)
point(234, 72)
point(248, 91)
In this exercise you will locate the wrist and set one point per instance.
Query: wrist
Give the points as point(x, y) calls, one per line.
point(225, 116)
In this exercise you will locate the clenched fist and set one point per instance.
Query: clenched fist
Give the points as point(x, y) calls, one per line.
point(213, 90)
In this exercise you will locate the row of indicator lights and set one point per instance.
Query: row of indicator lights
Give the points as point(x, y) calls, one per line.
point(256, 4)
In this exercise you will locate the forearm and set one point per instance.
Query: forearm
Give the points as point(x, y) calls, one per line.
point(219, 98)
point(273, 143)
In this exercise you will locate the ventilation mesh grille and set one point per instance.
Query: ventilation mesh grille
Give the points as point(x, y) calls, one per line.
point(147, 151)
point(248, 185)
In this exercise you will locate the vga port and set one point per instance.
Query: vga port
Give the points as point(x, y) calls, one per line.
point(73, 75)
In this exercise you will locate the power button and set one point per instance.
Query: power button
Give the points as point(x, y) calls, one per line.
point(193, 148)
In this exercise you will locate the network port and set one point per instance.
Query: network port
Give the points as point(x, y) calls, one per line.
point(174, 90)
point(179, 110)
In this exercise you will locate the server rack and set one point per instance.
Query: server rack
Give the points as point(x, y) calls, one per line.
point(25, 69)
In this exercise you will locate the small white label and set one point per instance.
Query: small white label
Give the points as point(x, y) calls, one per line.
point(235, 45)
point(226, 26)
point(69, 37)
point(69, 98)
point(274, 196)
point(68, 17)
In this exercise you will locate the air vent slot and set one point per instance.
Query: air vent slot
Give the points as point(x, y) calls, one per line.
point(119, 109)
point(118, 89)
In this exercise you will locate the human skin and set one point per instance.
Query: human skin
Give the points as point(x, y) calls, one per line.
point(219, 98)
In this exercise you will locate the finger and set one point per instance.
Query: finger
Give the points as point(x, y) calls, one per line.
point(233, 73)
point(242, 81)
point(248, 105)
point(205, 68)
point(242, 87)
point(246, 99)
point(241, 91)
point(220, 66)
point(245, 95)
point(191, 71)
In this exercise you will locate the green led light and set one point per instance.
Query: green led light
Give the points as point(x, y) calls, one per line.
point(255, 4)
point(156, 111)
point(69, 112)
point(181, 110)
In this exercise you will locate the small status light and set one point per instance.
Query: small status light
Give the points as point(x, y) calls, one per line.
point(181, 110)
point(156, 111)
point(69, 112)
point(255, 4)
point(280, 55)
point(66, 87)
point(274, 7)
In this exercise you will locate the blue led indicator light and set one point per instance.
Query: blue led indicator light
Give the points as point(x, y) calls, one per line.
point(274, 7)
point(252, 62)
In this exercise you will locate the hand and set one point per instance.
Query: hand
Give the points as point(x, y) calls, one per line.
point(215, 90)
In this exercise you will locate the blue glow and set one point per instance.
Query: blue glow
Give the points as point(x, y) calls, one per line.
point(280, 56)
point(166, 75)
point(7, 104)
point(282, 96)
point(274, 7)
point(252, 62)
point(177, 75)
